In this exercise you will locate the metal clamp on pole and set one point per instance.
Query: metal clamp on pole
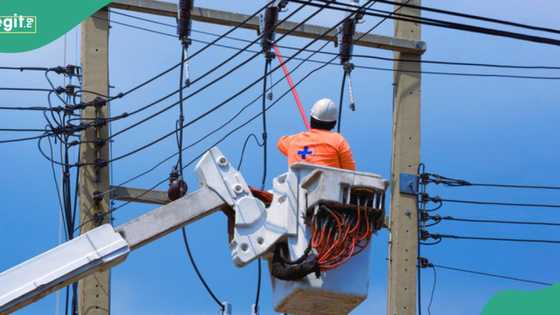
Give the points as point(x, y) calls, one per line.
point(408, 184)
point(184, 28)
point(268, 22)
point(346, 48)
point(184, 21)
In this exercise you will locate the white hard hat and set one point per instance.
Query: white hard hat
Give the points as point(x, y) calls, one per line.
point(324, 110)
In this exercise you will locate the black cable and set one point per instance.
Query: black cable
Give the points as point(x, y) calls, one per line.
point(25, 89)
point(493, 275)
point(244, 147)
point(455, 182)
point(450, 218)
point(493, 203)
point(230, 98)
point(181, 120)
point(21, 69)
point(264, 128)
point(433, 290)
point(219, 78)
point(21, 130)
point(232, 131)
point(516, 186)
point(237, 26)
point(25, 139)
point(499, 239)
point(472, 16)
point(339, 122)
point(34, 108)
point(444, 24)
point(214, 144)
point(357, 66)
point(197, 271)
point(439, 62)
point(58, 195)
point(265, 168)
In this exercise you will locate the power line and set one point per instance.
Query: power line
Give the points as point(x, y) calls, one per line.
point(197, 271)
point(232, 131)
point(231, 30)
point(445, 24)
point(210, 72)
point(230, 98)
point(516, 186)
point(25, 89)
point(438, 236)
point(365, 67)
point(470, 220)
point(493, 275)
point(427, 61)
point(214, 144)
point(475, 17)
point(495, 203)
point(454, 182)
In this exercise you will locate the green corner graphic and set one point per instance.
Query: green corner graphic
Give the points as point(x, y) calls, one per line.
point(540, 302)
point(29, 24)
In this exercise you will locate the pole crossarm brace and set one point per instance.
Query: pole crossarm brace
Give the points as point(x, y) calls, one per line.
point(232, 19)
point(154, 197)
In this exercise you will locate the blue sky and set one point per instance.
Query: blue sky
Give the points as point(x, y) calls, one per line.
point(480, 129)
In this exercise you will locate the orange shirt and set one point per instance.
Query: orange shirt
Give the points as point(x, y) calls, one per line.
point(318, 146)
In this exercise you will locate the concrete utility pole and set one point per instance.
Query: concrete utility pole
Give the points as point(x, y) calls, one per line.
point(406, 157)
point(94, 291)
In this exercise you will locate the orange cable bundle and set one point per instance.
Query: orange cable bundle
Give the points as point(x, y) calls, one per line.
point(337, 236)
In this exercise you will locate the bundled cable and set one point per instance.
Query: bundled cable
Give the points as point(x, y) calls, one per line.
point(339, 233)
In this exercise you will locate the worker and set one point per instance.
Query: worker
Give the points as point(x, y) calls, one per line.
point(319, 145)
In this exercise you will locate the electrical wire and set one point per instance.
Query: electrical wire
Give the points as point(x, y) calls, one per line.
point(198, 273)
point(25, 89)
point(444, 24)
point(427, 61)
point(438, 236)
point(214, 81)
point(231, 30)
point(433, 290)
point(192, 161)
point(230, 98)
point(450, 218)
point(365, 67)
point(493, 275)
point(494, 203)
point(474, 17)
point(341, 101)
point(244, 147)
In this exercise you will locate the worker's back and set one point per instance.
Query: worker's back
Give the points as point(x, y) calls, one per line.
point(317, 146)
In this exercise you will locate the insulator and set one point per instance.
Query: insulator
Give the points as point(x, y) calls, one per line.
point(177, 186)
point(268, 22)
point(346, 40)
point(177, 189)
point(184, 20)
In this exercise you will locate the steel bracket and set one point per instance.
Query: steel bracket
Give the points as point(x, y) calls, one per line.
point(408, 184)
